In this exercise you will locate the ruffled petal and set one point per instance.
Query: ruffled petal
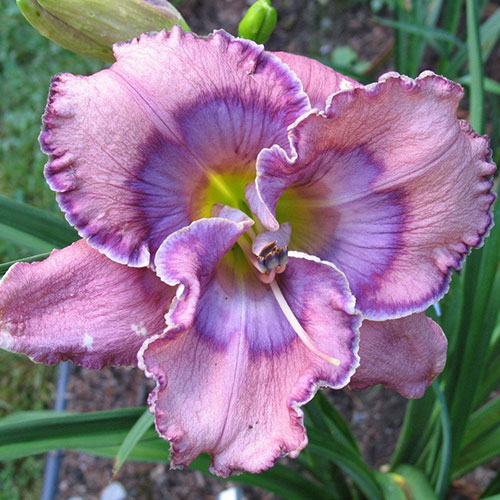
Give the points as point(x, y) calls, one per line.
point(281, 238)
point(78, 305)
point(319, 81)
point(231, 385)
point(136, 149)
point(388, 185)
point(189, 257)
point(404, 354)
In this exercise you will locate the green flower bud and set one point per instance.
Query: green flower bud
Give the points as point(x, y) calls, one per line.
point(57, 31)
point(91, 27)
point(259, 22)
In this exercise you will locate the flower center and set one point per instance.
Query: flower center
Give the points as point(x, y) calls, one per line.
point(272, 257)
point(267, 252)
point(224, 189)
point(272, 260)
point(269, 259)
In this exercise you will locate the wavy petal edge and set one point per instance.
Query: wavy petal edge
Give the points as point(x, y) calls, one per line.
point(307, 390)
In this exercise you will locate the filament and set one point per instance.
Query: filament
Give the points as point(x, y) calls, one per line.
point(268, 278)
point(295, 324)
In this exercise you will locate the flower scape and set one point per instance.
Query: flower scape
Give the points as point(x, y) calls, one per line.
point(254, 226)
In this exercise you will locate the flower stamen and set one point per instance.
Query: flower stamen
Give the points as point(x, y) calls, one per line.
point(271, 261)
point(243, 244)
point(272, 258)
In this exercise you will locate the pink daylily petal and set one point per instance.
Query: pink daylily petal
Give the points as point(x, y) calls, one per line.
point(133, 147)
point(230, 381)
point(189, 258)
point(404, 354)
point(396, 190)
point(78, 305)
point(319, 81)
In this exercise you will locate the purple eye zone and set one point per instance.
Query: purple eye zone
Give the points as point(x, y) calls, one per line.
point(270, 257)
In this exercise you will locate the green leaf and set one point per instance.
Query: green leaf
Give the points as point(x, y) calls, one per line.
point(451, 20)
point(416, 42)
point(319, 467)
point(493, 314)
point(24, 434)
point(33, 228)
point(416, 482)
point(24, 239)
point(135, 434)
point(468, 364)
point(348, 459)
point(476, 67)
point(148, 449)
point(322, 416)
point(433, 12)
point(415, 431)
point(391, 487)
point(102, 433)
point(280, 480)
point(452, 308)
point(345, 70)
point(490, 85)
point(477, 453)
point(401, 42)
point(445, 456)
point(327, 418)
point(25, 417)
point(491, 378)
point(424, 31)
point(344, 55)
point(490, 33)
point(482, 422)
point(34, 258)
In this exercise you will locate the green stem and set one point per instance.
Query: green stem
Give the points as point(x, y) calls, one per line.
point(475, 66)
point(444, 469)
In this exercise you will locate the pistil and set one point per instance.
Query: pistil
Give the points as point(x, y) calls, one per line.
point(295, 324)
point(267, 276)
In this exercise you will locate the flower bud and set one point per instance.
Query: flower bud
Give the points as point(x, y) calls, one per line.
point(259, 21)
point(91, 27)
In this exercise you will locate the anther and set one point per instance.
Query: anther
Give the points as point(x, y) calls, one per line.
point(270, 261)
point(271, 257)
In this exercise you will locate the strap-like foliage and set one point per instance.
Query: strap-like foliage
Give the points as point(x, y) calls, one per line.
point(35, 229)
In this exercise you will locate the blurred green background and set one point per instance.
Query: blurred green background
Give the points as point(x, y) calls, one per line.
point(27, 62)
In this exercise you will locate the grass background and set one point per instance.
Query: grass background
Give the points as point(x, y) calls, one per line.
point(27, 62)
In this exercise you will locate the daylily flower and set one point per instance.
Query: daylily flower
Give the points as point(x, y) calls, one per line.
point(241, 213)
